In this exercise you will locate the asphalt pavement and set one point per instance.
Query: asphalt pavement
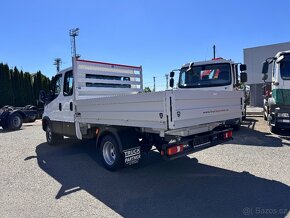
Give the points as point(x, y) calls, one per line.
point(246, 177)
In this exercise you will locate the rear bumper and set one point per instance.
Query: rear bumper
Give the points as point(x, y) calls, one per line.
point(197, 143)
point(280, 122)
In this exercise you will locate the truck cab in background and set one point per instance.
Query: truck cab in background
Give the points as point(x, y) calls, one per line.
point(217, 74)
point(277, 92)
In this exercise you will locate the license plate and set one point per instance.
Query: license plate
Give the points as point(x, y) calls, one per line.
point(286, 121)
point(198, 142)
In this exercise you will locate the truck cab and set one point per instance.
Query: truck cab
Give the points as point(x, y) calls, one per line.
point(59, 107)
point(60, 104)
point(277, 92)
point(217, 74)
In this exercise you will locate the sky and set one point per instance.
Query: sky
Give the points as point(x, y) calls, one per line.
point(159, 35)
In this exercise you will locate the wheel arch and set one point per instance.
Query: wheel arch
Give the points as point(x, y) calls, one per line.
point(109, 131)
point(23, 116)
point(126, 137)
point(45, 122)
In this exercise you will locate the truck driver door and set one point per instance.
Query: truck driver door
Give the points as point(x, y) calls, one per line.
point(67, 105)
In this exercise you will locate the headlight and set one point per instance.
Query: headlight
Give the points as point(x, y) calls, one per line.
point(283, 115)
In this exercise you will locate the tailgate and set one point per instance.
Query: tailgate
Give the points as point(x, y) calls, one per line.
point(194, 107)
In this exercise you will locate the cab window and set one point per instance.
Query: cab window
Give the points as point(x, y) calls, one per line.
point(68, 84)
point(56, 84)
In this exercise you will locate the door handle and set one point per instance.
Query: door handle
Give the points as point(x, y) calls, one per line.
point(71, 106)
point(59, 106)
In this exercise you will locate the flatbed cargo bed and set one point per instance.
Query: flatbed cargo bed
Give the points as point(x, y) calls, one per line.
point(163, 111)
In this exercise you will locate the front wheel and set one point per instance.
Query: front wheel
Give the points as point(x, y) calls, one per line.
point(51, 137)
point(111, 156)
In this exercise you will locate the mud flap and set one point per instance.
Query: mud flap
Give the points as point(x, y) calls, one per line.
point(132, 155)
point(78, 131)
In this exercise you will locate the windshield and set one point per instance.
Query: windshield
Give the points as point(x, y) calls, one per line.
point(285, 68)
point(205, 76)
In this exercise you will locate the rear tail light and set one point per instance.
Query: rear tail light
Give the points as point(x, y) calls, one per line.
point(174, 150)
point(228, 134)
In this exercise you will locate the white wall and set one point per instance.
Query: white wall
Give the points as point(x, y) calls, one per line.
point(254, 58)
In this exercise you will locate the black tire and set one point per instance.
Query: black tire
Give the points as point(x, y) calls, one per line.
point(237, 126)
point(15, 121)
point(111, 156)
point(51, 137)
point(274, 129)
point(5, 125)
point(32, 119)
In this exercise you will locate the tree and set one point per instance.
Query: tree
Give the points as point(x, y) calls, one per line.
point(6, 92)
point(16, 86)
point(147, 89)
point(20, 89)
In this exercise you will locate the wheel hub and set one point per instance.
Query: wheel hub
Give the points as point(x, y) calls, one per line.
point(109, 153)
point(16, 121)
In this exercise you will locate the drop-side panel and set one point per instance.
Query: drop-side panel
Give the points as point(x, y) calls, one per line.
point(194, 107)
point(139, 110)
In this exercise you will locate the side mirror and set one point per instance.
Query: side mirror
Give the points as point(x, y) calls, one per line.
point(265, 77)
point(243, 67)
point(243, 77)
point(172, 74)
point(265, 67)
point(42, 96)
point(171, 82)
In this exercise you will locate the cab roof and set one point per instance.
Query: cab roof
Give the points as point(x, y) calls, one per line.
point(282, 53)
point(64, 70)
point(214, 61)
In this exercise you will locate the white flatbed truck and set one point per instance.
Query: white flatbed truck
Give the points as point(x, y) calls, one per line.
point(106, 101)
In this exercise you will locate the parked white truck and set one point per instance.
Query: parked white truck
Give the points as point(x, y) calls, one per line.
point(216, 75)
point(106, 101)
point(277, 92)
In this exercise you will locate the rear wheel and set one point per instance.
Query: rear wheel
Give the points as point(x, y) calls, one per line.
point(51, 137)
point(237, 126)
point(5, 125)
point(32, 119)
point(15, 121)
point(110, 152)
